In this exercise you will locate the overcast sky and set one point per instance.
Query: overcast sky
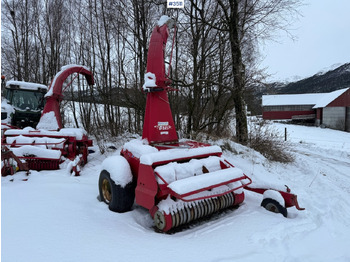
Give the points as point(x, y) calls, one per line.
point(323, 39)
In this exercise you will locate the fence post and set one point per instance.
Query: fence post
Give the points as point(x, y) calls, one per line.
point(285, 134)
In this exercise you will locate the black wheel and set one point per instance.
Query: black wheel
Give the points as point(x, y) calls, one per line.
point(119, 199)
point(273, 206)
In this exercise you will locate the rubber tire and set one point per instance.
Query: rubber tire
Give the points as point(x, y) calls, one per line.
point(122, 198)
point(274, 206)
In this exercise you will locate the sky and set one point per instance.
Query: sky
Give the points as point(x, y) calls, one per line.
point(323, 41)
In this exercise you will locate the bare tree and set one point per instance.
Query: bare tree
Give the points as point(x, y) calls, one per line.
point(245, 21)
point(18, 21)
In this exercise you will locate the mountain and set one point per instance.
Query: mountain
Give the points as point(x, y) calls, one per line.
point(322, 82)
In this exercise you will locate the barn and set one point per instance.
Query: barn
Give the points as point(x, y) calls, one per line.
point(326, 109)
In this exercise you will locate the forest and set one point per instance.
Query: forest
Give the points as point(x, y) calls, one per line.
point(214, 67)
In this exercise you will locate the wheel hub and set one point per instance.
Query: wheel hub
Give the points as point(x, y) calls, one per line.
point(271, 207)
point(106, 190)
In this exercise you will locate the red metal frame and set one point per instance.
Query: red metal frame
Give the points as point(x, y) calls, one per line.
point(289, 198)
point(53, 101)
point(158, 125)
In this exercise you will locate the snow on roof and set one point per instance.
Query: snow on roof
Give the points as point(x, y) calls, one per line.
point(295, 99)
point(329, 97)
point(316, 99)
point(26, 85)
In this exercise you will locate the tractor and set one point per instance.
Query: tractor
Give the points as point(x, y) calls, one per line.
point(24, 103)
point(176, 181)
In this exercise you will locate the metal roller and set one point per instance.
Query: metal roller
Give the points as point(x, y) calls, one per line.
point(195, 211)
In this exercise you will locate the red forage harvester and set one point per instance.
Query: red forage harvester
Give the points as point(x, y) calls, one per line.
point(50, 144)
point(178, 182)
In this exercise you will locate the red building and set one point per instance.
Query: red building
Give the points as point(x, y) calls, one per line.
point(327, 109)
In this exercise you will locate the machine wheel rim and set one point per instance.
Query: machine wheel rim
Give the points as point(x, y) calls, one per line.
point(271, 207)
point(159, 220)
point(106, 190)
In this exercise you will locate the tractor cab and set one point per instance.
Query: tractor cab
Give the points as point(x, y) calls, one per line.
point(27, 102)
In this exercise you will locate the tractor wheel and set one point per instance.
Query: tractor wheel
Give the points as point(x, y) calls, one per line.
point(273, 206)
point(119, 199)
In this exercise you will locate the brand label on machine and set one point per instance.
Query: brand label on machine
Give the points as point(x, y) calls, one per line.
point(163, 126)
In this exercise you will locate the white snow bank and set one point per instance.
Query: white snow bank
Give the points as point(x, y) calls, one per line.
point(150, 81)
point(63, 68)
point(139, 147)
point(119, 170)
point(26, 85)
point(48, 121)
point(194, 183)
point(33, 151)
point(275, 195)
point(172, 154)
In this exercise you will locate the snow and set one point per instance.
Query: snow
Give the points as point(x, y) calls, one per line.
point(150, 81)
point(9, 109)
point(171, 154)
point(56, 217)
point(163, 20)
point(26, 85)
point(298, 99)
point(139, 147)
point(46, 142)
point(328, 98)
point(48, 121)
point(33, 151)
point(119, 170)
point(316, 99)
point(176, 171)
point(190, 184)
point(275, 195)
point(78, 133)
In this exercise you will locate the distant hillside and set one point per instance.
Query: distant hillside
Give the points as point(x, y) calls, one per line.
point(320, 83)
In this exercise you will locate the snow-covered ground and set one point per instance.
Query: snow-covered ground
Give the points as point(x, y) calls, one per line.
point(56, 217)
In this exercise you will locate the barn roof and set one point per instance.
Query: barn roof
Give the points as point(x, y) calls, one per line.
point(329, 97)
point(316, 99)
point(295, 99)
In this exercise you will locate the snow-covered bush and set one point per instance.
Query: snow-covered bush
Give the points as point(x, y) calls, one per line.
point(269, 142)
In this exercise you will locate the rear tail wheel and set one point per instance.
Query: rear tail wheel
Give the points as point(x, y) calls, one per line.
point(119, 199)
point(274, 206)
